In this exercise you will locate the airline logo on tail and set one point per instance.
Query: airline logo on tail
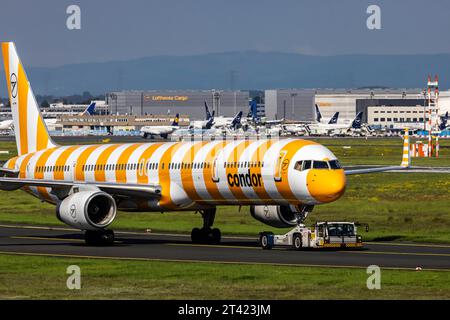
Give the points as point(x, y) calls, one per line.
point(31, 132)
point(334, 118)
point(90, 110)
point(176, 121)
point(236, 120)
point(356, 124)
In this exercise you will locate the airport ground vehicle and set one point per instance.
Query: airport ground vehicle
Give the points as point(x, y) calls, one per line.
point(321, 235)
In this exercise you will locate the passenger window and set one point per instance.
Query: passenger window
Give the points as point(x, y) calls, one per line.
point(320, 165)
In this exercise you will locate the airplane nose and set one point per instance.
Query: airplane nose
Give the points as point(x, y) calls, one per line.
point(326, 185)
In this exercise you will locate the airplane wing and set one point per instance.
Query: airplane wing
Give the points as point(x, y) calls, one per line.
point(5, 172)
point(373, 170)
point(405, 164)
point(118, 189)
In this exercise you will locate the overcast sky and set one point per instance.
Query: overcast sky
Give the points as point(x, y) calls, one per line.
point(120, 30)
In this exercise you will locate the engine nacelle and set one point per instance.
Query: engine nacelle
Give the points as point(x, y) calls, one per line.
point(87, 210)
point(278, 216)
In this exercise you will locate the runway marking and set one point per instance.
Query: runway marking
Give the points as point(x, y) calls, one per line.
point(117, 232)
point(52, 239)
point(212, 246)
point(36, 227)
point(400, 253)
point(212, 262)
point(409, 244)
point(43, 238)
point(317, 250)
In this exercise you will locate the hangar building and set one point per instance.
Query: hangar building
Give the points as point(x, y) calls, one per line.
point(189, 102)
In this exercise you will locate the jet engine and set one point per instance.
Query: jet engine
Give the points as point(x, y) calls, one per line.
point(279, 216)
point(87, 210)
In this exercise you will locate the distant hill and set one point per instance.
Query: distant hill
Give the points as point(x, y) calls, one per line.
point(252, 70)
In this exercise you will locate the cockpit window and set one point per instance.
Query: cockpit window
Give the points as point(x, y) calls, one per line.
point(307, 164)
point(317, 164)
point(334, 164)
point(320, 165)
point(298, 165)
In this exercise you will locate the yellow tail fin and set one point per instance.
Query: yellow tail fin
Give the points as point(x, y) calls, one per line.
point(29, 126)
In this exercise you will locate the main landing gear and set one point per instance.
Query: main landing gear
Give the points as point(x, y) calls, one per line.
point(206, 235)
point(99, 237)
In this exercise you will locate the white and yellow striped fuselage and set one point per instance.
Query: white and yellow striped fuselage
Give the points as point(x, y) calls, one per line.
point(193, 175)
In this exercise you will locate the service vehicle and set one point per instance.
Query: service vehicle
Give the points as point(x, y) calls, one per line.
point(321, 235)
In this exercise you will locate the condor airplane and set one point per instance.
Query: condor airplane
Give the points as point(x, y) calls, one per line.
point(281, 180)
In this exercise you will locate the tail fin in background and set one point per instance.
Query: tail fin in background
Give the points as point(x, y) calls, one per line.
point(90, 111)
point(254, 111)
point(208, 114)
point(236, 120)
point(176, 121)
point(29, 126)
point(318, 114)
point(444, 119)
point(356, 124)
point(334, 118)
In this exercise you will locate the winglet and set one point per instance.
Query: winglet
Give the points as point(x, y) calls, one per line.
point(406, 159)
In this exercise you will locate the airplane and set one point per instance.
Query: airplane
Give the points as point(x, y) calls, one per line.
point(335, 128)
point(163, 131)
point(304, 128)
point(281, 180)
point(205, 124)
point(333, 119)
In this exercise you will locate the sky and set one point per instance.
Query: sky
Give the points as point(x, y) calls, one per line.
point(124, 30)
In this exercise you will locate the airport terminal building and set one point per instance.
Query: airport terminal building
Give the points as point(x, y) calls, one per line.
point(298, 104)
point(190, 102)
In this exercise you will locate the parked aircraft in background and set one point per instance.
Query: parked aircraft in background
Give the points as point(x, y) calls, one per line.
point(335, 128)
point(204, 124)
point(162, 131)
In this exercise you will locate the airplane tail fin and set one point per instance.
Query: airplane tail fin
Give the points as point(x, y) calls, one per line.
point(406, 158)
point(29, 126)
point(254, 111)
point(208, 113)
point(318, 114)
point(90, 110)
point(356, 124)
point(176, 121)
point(334, 118)
point(236, 120)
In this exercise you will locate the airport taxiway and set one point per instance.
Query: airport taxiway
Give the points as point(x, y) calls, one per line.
point(66, 242)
